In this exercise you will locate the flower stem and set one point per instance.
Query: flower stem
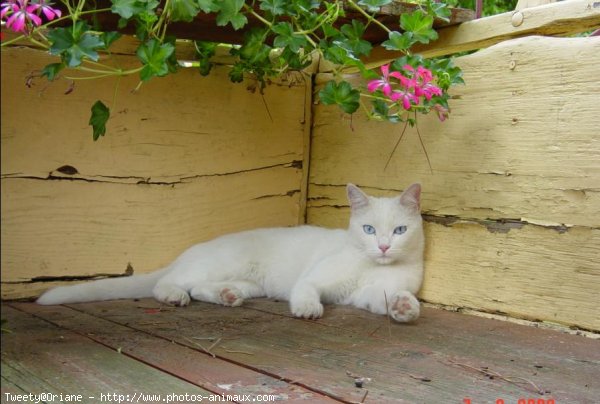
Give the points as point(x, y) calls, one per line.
point(257, 16)
point(368, 16)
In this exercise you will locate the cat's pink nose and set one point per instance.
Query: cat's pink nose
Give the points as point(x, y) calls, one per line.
point(384, 248)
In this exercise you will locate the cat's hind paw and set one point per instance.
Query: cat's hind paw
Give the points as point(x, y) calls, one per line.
point(171, 295)
point(231, 297)
point(404, 307)
point(307, 309)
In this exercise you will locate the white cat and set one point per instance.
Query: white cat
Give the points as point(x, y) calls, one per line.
point(376, 264)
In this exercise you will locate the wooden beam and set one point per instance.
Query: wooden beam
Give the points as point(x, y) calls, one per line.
point(556, 19)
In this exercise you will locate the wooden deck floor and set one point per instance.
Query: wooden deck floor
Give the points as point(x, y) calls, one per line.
point(114, 351)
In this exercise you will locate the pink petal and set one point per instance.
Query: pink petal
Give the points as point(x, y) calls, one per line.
point(387, 89)
point(424, 73)
point(37, 21)
point(385, 69)
point(406, 103)
point(408, 83)
point(396, 75)
point(50, 13)
point(373, 85)
point(16, 22)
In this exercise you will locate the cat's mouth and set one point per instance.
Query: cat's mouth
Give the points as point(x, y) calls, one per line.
point(383, 259)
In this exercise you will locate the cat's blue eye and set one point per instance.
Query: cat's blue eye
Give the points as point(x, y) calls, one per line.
point(400, 230)
point(369, 229)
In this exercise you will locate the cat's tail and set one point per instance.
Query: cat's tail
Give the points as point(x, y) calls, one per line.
point(129, 287)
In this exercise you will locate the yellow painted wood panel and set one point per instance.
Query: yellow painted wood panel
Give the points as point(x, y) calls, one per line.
point(185, 159)
point(521, 142)
point(528, 272)
point(173, 127)
point(62, 227)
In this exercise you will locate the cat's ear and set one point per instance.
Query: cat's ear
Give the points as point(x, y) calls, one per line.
point(411, 197)
point(357, 198)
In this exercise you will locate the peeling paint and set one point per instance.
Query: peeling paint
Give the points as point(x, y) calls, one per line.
point(496, 225)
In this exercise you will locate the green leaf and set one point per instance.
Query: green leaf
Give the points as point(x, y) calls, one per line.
point(205, 51)
point(108, 38)
point(184, 10)
point(254, 50)
point(230, 13)
point(412, 60)
point(155, 57)
point(398, 41)
point(236, 74)
point(287, 37)
point(100, 115)
point(275, 7)
point(373, 5)
point(353, 34)
point(341, 94)
point(439, 10)
point(208, 6)
point(74, 43)
point(127, 8)
point(52, 70)
point(420, 24)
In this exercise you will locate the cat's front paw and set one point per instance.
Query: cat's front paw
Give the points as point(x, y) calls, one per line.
point(404, 307)
point(171, 295)
point(307, 309)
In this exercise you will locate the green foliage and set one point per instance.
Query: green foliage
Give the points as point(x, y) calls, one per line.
point(184, 10)
point(100, 115)
point(230, 13)
point(52, 70)
point(155, 58)
point(342, 94)
point(420, 25)
point(285, 35)
point(74, 43)
point(204, 52)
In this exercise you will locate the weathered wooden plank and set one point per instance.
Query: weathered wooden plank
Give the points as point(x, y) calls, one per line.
point(172, 128)
point(521, 141)
point(262, 335)
point(41, 358)
point(562, 18)
point(191, 363)
point(61, 228)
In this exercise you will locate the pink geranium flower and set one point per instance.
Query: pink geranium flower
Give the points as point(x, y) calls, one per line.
point(20, 13)
point(408, 86)
point(7, 7)
point(384, 81)
point(45, 7)
point(428, 90)
point(407, 98)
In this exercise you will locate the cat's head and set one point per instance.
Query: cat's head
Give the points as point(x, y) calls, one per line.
point(387, 230)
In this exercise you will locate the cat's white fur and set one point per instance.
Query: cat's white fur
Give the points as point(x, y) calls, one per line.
point(376, 264)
